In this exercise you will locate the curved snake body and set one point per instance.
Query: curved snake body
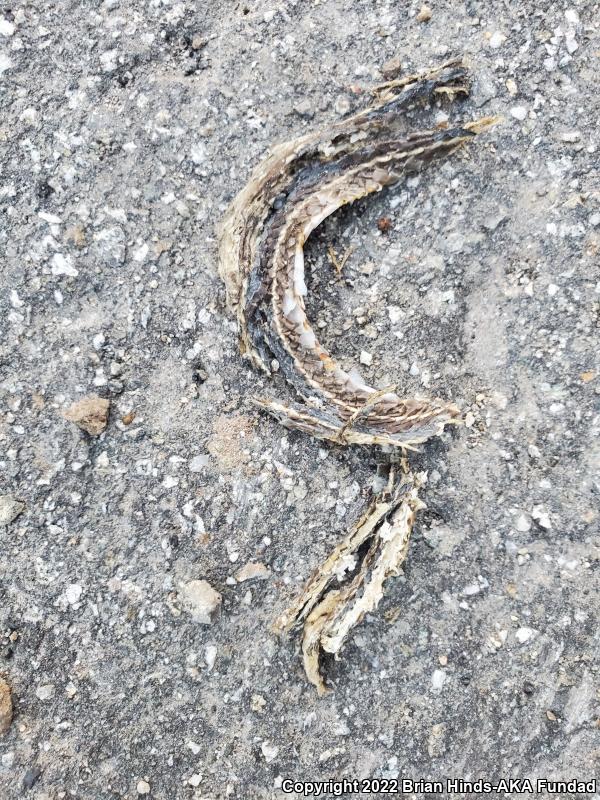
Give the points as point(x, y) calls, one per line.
point(261, 242)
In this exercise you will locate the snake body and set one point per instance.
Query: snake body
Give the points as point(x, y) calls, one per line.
point(261, 240)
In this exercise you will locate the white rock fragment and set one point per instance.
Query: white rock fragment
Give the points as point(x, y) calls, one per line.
point(15, 300)
point(269, 751)
point(6, 27)
point(210, 656)
point(366, 358)
point(45, 691)
point(140, 253)
point(5, 63)
point(28, 116)
point(341, 105)
point(523, 635)
point(195, 780)
point(541, 517)
point(497, 39)
point(198, 463)
point(395, 314)
point(571, 43)
point(51, 219)
point(143, 787)
point(498, 638)
point(108, 60)
point(198, 153)
point(193, 746)
point(594, 220)
point(570, 137)
point(63, 265)
point(170, 482)
point(438, 679)
point(201, 601)
point(73, 593)
point(10, 508)
point(572, 16)
point(523, 523)
point(519, 112)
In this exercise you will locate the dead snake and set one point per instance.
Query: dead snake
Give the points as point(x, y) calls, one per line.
point(261, 239)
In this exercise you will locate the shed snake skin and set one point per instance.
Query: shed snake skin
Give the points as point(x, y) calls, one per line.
point(261, 240)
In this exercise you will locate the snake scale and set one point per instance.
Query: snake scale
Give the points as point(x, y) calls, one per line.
point(261, 240)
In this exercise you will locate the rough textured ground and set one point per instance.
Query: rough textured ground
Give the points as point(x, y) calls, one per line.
point(125, 129)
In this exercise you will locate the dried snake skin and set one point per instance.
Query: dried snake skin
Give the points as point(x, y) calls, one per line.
point(261, 241)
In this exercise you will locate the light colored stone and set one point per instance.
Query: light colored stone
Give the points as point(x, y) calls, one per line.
point(523, 635)
point(198, 463)
point(143, 787)
point(63, 265)
point(10, 508)
point(424, 14)
point(201, 601)
point(90, 414)
point(45, 691)
point(540, 515)
point(523, 523)
point(6, 27)
point(252, 572)
point(73, 593)
point(438, 679)
point(519, 112)
point(269, 751)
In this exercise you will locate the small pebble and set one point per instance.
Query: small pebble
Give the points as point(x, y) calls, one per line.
point(198, 463)
point(594, 220)
point(341, 105)
point(523, 523)
point(438, 679)
point(366, 358)
point(570, 137)
point(269, 751)
point(143, 787)
point(45, 691)
point(10, 508)
point(210, 655)
point(523, 635)
point(519, 112)
point(252, 572)
point(424, 14)
point(90, 414)
point(541, 517)
point(201, 601)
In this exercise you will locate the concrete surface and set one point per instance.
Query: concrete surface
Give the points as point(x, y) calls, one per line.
point(125, 129)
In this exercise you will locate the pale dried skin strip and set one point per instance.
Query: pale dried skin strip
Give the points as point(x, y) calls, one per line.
point(363, 529)
point(393, 538)
point(331, 615)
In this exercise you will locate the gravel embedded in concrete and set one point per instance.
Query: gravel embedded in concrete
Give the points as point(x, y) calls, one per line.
point(126, 128)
